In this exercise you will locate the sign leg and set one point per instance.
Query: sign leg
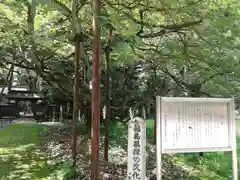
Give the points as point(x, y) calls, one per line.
point(158, 140)
point(234, 144)
point(234, 165)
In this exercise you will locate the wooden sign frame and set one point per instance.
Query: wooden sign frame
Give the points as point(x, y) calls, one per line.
point(231, 130)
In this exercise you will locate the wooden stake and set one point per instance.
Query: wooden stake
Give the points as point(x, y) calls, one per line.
point(95, 128)
point(107, 118)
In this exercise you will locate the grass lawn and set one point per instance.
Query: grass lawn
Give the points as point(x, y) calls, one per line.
point(21, 155)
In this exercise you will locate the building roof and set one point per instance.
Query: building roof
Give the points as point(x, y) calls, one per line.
point(24, 95)
point(21, 92)
point(14, 88)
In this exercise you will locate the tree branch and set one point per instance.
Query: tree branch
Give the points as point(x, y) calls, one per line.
point(59, 7)
point(170, 28)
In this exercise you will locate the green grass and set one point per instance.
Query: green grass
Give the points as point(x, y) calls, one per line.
point(21, 154)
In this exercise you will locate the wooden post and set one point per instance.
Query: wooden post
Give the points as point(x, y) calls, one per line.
point(107, 80)
point(136, 149)
point(95, 128)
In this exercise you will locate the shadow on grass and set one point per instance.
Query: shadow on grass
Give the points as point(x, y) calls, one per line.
point(22, 156)
point(24, 162)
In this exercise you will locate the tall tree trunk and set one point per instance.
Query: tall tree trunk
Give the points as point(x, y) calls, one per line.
point(77, 35)
point(84, 111)
point(107, 118)
point(75, 100)
point(31, 43)
point(95, 128)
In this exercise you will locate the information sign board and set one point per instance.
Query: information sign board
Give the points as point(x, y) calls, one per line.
point(190, 125)
point(195, 125)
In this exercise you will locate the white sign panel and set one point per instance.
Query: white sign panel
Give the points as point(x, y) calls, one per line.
point(136, 149)
point(195, 125)
point(189, 125)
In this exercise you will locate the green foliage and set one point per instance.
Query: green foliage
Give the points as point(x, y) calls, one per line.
point(202, 36)
point(117, 130)
point(65, 170)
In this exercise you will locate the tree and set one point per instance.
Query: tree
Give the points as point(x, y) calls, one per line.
point(151, 48)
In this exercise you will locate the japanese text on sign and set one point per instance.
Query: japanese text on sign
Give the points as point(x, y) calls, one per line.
point(194, 125)
point(136, 150)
